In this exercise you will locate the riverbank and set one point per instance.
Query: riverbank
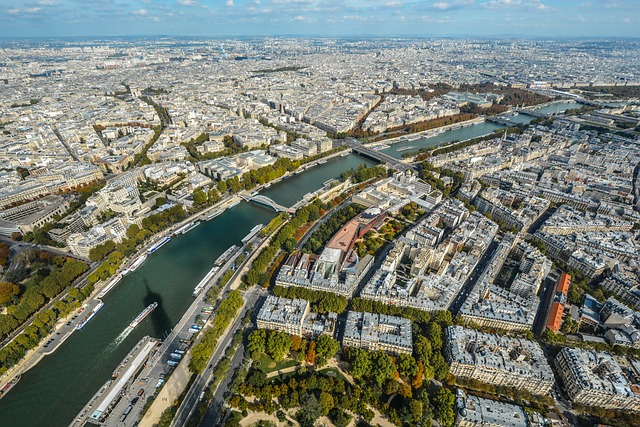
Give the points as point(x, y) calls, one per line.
point(167, 276)
point(427, 133)
point(176, 386)
point(65, 327)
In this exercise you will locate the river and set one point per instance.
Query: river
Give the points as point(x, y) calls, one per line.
point(473, 131)
point(54, 391)
point(558, 107)
point(460, 134)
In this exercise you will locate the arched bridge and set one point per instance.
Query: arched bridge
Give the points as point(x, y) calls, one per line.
point(264, 200)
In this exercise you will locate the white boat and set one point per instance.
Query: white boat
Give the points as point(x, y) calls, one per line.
point(322, 162)
point(191, 227)
point(158, 245)
point(214, 214)
point(225, 256)
point(410, 147)
point(180, 230)
point(90, 316)
point(137, 263)
point(112, 284)
point(140, 317)
point(204, 281)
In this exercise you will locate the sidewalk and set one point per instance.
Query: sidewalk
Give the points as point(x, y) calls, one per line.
point(169, 394)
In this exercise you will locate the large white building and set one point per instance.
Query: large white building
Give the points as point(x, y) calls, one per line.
point(474, 411)
point(293, 317)
point(378, 332)
point(498, 360)
point(595, 378)
point(81, 243)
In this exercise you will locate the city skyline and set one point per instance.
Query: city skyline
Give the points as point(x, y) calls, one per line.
point(533, 18)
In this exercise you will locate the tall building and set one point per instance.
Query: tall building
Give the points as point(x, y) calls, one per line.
point(595, 378)
point(498, 360)
point(378, 332)
point(293, 317)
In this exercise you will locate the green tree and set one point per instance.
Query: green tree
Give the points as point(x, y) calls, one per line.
point(360, 362)
point(310, 410)
point(199, 197)
point(290, 244)
point(257, 342)
point(382, 367)
point(326, 402)
point(278, 345)
point(443, 401)
point(132, 231)
point(434, 333)
point(407, 365)
point(422, 348)
point(326, 347)
point(339, 417)
point(222, 187)
point(440, 366)
point(4, 254)
point(415, 410)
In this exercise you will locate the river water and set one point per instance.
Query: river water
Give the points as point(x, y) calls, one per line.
point(461, 134)
point(55, 390)
point(472, 131)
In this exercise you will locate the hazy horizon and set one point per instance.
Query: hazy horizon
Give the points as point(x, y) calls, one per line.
point(320, 18)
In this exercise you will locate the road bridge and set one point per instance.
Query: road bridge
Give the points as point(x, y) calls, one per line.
point(358, 148)
point(531, 112)
point(501, 121)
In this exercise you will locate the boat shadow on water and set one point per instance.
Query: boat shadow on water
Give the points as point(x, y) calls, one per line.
point(160, 321)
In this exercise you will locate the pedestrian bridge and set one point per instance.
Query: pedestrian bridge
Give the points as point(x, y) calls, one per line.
point(264, 200)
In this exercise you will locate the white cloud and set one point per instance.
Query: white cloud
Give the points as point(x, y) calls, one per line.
point(140, 12)
point(452, 4)
point(32, 10)
point(518, 4)
point(187, 2)
point(299, 18)
point(291, 1)
point(13, 11)
point(431, 20)
point(46, 2)
point(394, 4)
point(230, 3)
point(354, 18)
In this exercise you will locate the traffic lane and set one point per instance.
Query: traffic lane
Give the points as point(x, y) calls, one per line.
point(187, 407)
point(212, 413)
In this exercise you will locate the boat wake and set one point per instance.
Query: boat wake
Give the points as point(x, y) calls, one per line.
point(123, 335)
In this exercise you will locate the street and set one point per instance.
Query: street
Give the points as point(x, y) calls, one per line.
point(214, 408)
point(189, 404)
point(471, 280)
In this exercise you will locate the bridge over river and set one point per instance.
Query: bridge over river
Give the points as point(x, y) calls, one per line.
point(264, 200)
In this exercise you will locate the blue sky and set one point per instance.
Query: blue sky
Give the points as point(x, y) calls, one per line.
point(19, 18)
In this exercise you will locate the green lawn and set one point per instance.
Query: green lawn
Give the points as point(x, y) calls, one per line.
point(333, 372)
point(267, 364)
